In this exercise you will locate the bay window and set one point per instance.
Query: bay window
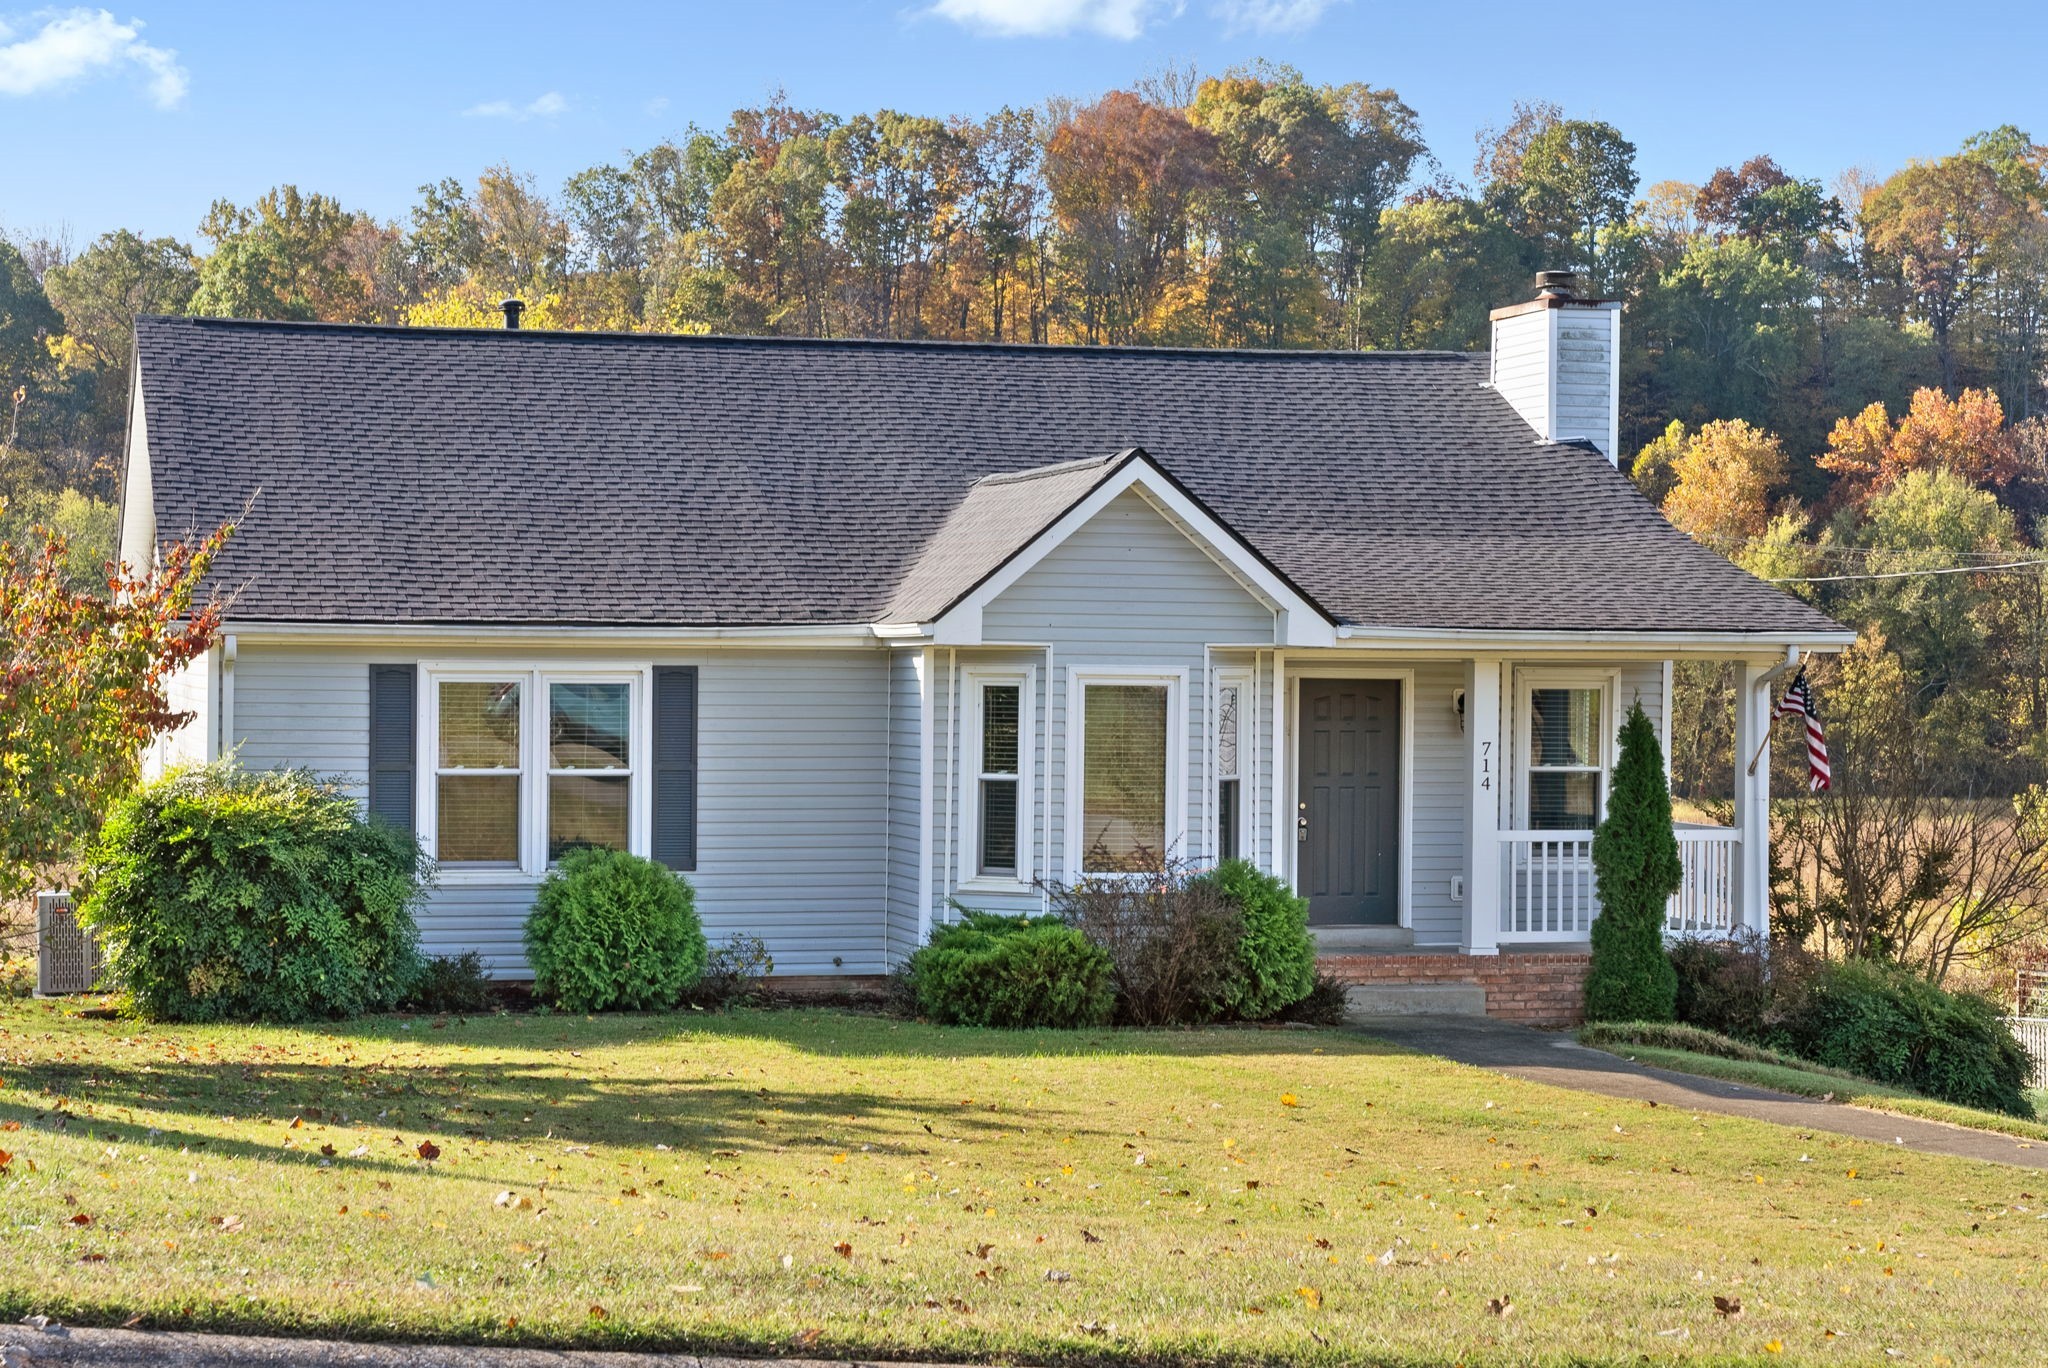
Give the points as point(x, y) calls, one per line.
point(528, 765)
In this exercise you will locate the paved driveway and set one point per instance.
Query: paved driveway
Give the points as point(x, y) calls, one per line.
point(1549, 1057)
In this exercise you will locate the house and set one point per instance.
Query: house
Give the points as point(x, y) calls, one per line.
point(852, 631)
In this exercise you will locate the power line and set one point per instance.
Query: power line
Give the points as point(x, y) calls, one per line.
point(1907, 574)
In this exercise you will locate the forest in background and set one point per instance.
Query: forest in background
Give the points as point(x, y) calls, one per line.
point(1839, 384)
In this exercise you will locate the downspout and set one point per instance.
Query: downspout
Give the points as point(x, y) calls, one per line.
point(225, 743)
point(952, 777)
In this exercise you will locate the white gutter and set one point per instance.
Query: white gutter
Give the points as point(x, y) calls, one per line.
point(1486, 640)
point(349, 633)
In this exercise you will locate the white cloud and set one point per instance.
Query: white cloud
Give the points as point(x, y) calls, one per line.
point(71, 44)
point(545, 107)
point(1270, 16)
point(1123, 19)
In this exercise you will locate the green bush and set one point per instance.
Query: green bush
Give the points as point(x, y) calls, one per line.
point(225, 895)
point(1276, 956)
point(1724, 984)
point(735, 974)
point(1890, 1025)
point(613, 930)
point(1636, 869)
point(452, 983)
point(989, 970)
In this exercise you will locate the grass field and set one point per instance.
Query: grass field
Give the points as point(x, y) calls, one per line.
point(830, 1183)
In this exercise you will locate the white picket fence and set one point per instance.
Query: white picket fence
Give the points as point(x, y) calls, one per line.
point(2033, 1034)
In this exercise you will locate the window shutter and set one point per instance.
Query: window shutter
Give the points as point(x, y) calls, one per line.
point(675, 766)
point(393, 743)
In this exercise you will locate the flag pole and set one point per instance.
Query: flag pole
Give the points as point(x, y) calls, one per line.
point(1770, 720)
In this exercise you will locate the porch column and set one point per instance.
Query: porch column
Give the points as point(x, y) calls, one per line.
point(1753, 797)
point(1484, 766)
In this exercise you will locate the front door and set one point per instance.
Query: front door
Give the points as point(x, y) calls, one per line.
point(1348, 819)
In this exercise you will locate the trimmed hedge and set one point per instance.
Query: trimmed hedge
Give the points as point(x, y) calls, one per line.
point(613, 930)
point(1276, 955)
point(990, 970)
point(226, 895)
point(1891, 1025)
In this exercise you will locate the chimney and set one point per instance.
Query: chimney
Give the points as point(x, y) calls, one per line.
point(1557, 360)
point(513, 308)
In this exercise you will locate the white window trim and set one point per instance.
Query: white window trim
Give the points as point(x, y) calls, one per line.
point(1530, 679)
point(534, 770)
point(1079, 677)
point(973, 678)
point(1247, 705)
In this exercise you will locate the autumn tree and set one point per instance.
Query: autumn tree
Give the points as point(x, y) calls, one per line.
point(1937, 223)
point(281, 257)
point(1965, 436)
point(1721, 480)
point(84, 688)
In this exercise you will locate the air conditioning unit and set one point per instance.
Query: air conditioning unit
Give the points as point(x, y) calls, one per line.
point(67, 955)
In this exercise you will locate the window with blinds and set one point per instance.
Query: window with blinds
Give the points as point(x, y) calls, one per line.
point(1564, 770)
point(1001, 718)
point(1229, 742)
point(1124, 776)
point(478, 772)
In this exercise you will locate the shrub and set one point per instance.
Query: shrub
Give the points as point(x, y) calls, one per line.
point(1724, 985)
point(1635, 865)
point(224, 895)
point(452, 983)
point(613, 930)
point(1276, 956)
point(734, 973)
point(1325, 1004)
point(989, 970)
point(1888, 1024)
point(1172, 941)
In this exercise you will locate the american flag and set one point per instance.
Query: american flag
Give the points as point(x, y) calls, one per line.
point(1798, 702)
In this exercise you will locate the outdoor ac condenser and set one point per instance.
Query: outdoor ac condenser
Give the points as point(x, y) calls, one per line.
point(67, 955)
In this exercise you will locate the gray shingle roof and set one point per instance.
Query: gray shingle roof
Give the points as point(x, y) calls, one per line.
point(459, 476)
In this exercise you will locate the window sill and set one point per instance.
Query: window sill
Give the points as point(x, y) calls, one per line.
point(457, 877)
point(1006, 887)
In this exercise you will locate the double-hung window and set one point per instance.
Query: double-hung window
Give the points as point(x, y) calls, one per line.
point(1564, 751)
point(996, 775)
point(531, 764)
point(1125, 811)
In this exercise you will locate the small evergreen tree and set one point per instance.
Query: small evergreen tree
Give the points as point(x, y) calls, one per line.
point(1636, 869)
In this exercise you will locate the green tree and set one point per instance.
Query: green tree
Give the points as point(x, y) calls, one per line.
point(283, 257)
point(1636, 869)
point(1574, 184)
point(26, 318)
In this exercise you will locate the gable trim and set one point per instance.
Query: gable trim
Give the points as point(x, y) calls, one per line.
point(1298, 620)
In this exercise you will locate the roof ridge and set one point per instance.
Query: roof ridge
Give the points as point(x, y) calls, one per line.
point(588, 336)
point(1006, 477)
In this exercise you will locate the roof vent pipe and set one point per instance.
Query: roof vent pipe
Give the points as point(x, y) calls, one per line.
point(513, 308)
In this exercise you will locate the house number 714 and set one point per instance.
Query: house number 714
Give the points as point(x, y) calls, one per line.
point(1486, 764)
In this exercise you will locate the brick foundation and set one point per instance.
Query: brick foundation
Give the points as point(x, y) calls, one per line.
point(1534, 989)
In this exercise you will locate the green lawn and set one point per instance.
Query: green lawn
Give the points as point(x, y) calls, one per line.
point(832, 1183)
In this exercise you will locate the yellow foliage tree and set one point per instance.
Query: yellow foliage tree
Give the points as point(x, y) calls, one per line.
point(1722, 478)
point(1966, 436)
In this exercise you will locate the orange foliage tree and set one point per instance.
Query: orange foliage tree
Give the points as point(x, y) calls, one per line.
point(1966, 436)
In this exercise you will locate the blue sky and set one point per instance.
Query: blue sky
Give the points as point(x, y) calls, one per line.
point(142, 115)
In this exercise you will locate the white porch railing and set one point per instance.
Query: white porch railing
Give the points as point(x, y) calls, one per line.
point(1547, 891)
point(2033, 1035)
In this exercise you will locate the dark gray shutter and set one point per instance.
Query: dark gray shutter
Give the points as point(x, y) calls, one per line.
point(675, 766)
point(393, 748)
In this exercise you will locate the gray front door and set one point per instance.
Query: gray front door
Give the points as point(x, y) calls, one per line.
point(1348, 818)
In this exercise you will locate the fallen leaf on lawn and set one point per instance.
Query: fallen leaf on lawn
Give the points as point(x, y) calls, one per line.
point(79, 1218)
point(1289, 1100)
point(297, 1121)
point(513, 1201)
point(843, 1249)
point(1090, 1237)
point(1311, 1297)
point(598, 1312)
point(230, 1224)
point(429, 1151)
point(328, 1151)
point(92, 1258)
point(359, 1151)
point(1059, 1275)
point(1775, 1347)
point(1728, 1306)
point(981, 1250)
point(1501, 1306)
point(132, 1321)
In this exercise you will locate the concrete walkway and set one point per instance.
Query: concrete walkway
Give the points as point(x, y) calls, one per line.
point(1549, 1057)
point(23, 1346)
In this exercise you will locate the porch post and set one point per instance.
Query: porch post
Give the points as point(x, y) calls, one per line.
point(1484, 765)
point(1753, 798)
